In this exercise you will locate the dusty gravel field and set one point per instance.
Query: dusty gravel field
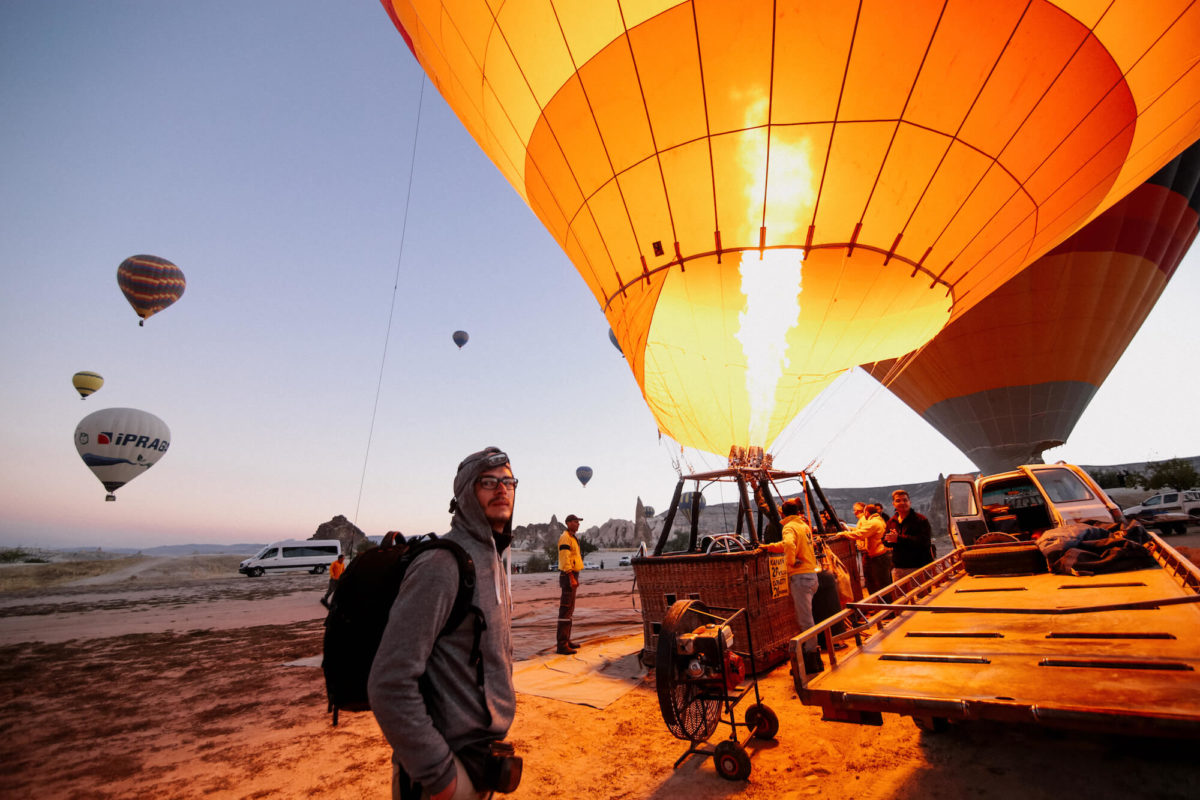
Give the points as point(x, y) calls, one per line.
point(168, 678)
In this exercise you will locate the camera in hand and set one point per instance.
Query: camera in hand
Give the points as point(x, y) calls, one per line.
point(502, 769)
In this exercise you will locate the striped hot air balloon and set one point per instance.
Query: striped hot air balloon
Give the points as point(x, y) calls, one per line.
point(86, 383)
point(1014, 374)
point(150, 284)
point(762, 194)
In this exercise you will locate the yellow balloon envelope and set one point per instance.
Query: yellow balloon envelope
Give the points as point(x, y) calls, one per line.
point(86, 382)
point(761, 195)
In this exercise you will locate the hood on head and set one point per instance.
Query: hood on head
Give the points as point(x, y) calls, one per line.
point(465, 506)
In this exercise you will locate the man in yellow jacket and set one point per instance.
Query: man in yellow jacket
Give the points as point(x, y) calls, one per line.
point(797, 551)
point(570, 564)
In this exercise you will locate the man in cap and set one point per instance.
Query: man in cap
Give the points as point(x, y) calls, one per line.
point(440, 737)
point(570, 563)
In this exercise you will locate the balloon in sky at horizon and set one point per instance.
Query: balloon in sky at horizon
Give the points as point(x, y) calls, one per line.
point(691, 503)
point(460, 338)
point(612, 337)
point(1012, 376)
point(119, 444)
point(648, 511)
point(150, 284)
point(584, 474)
point(86, 383)
point(762, 195)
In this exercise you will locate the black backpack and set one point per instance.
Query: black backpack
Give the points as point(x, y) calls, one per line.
point(359, 612)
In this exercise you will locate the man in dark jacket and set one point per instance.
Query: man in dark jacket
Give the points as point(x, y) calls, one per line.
point(910, 537)
point(440, 736)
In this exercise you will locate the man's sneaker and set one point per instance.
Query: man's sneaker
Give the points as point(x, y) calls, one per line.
point(567, 651)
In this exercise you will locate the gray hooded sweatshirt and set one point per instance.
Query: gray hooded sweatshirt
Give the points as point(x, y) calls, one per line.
point(423, 735)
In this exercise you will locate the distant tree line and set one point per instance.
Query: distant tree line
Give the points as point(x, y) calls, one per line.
point(1174, 473)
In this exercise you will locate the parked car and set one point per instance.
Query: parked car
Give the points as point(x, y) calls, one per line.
point(590, 565)
point(625, 561)
point(1168, 501)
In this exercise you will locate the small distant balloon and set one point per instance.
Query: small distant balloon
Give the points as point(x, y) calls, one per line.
point(86, 383)
point(648, 511)
point(150, 284)
point(119, 444)
point(584, 474)
point(460, 338)
point(612, 337)
point(691, 503)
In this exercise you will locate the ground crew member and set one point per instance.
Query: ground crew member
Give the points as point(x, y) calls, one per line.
point(570, 564)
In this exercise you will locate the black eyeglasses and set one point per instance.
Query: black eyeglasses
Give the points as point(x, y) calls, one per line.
point(490, 482)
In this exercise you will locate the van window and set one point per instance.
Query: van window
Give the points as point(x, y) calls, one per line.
point(1153, 501)
point(1173, 497)
point(269, 552)
point(309, 551)
point(962, 499)
point(1063, 485)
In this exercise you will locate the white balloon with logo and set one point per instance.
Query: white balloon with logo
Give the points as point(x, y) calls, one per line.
point(119, 444)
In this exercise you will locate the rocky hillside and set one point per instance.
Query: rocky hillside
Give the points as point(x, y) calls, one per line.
point(343, 530)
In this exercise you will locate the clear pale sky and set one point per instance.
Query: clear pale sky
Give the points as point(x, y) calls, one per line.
point(265, 147)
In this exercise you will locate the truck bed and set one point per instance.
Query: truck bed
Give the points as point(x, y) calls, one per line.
point(965, 654)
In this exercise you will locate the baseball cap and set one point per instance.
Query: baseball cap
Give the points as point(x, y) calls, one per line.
point(573, 518)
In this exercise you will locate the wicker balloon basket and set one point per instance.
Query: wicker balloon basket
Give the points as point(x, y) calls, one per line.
point(754, 580)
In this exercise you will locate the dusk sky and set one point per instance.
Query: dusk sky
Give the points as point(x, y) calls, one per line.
point(265, 148)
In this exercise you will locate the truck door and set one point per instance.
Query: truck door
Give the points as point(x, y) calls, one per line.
point(963, 510)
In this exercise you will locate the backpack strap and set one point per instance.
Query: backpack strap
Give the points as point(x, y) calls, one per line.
point(463, 605)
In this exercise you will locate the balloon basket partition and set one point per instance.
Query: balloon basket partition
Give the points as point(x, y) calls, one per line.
point(754, 580)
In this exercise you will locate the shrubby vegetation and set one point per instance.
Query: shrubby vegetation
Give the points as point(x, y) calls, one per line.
point(1174, 473)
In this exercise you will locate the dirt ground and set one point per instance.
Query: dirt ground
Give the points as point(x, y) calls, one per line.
point(169, 680)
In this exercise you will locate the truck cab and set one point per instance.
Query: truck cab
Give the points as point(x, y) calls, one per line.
point(1025, 502)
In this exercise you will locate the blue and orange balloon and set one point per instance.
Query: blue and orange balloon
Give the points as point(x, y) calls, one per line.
point(150, 284)
point(460, 338)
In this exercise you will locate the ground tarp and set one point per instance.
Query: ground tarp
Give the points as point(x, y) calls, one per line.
point(599, 674)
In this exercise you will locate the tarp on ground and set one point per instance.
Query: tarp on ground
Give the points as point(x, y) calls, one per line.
point(599, 674)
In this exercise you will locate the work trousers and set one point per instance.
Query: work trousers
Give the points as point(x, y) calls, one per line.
point(803, 587)
point(878, 571)
point(569, 583)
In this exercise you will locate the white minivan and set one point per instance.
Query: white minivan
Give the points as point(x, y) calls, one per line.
point(314, 555)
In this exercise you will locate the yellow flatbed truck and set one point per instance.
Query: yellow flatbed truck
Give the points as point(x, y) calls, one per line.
point(1114, 652)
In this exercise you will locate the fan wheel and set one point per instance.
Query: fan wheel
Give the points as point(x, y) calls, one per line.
point(731, 761)
point(762, 722)
point(689, 712)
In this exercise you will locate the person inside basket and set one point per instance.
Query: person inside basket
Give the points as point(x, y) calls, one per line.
point(797, 550)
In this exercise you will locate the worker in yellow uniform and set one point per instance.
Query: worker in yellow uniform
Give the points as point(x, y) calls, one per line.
point(335, 572)
point(797, 550)
point(570, 564)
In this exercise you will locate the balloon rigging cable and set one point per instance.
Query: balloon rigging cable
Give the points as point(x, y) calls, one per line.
point(395, 287)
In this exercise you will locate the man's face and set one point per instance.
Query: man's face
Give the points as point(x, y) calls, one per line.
point(573, 525)
point(497, 503)
point(902, 504)
point(858, 509)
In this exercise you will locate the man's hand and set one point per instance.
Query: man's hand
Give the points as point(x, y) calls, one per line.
point(574, 580)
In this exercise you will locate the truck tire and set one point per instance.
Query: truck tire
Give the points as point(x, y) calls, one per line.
point(1016, 559)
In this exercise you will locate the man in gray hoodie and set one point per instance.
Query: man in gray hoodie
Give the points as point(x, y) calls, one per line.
point(454, 716)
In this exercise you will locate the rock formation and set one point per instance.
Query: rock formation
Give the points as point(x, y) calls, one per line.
point(344, 531)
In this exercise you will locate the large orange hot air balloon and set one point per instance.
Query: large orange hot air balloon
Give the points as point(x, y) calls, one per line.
point(761, 195)
point(1012, 376)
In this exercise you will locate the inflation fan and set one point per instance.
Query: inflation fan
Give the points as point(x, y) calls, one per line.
point(701, 678)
